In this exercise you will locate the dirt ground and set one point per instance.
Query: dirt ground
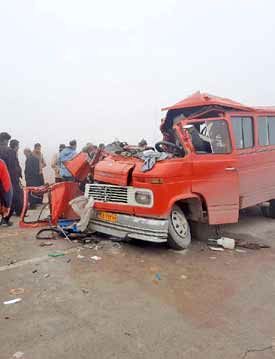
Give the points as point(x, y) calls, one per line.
point(138, 300)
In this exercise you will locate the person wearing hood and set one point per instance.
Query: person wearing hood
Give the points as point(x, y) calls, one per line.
point(67, 154)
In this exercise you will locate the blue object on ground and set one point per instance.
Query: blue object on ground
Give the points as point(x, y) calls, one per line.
point(158, 276)
point(68, 224)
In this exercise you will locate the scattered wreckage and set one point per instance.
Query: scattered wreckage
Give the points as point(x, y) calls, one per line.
point(216, 158)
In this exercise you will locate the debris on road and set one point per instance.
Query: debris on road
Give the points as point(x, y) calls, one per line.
point(217, 249)
point(256, 350)
point(250, 245)
point(46, 244)
point(225, 242)
point(17, 291)
point(240, 250)
point(13, 301)
point(54, 255)
point(96, 258)
point(18, 355)
point(157, 276)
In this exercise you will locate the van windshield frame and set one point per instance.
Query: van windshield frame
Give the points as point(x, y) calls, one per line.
point(210, 136)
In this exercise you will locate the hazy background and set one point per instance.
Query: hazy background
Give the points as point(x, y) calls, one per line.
point(100, 70)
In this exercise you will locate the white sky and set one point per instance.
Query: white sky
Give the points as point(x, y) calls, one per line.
point(100, 70)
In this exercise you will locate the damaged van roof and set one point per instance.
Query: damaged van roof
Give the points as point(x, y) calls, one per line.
point(199, 99)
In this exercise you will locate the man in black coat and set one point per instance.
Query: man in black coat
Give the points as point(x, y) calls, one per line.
point(32, 176)
point(17, 202)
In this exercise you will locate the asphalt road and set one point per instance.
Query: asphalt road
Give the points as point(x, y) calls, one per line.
point(138, 300)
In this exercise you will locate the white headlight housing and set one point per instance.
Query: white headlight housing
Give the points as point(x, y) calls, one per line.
point(142, 197)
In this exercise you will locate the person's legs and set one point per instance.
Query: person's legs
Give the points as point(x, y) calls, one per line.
point(17, 200)
point(18, 204)
point(39, 196)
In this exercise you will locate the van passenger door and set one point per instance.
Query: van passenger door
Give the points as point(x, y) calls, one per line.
point(215, 177)
point(247, 160)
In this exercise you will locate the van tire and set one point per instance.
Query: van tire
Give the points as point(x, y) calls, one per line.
point(179, 235)
point(272, 209)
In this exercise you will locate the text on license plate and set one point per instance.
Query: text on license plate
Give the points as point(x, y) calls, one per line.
point(106, 216)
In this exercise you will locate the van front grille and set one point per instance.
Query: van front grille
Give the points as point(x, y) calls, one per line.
point(107, 193)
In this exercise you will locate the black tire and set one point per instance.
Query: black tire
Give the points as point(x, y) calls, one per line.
point(272, 209)
point(179, 235)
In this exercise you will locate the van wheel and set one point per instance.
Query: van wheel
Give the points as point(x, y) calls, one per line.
point(272, 208)
point(179, 236)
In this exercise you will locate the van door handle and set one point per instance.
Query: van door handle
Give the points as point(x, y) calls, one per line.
point(230, 169)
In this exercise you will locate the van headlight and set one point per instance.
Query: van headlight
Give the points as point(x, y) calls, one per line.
point(143, 197)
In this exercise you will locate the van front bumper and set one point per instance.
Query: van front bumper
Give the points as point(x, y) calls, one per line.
point(146, 229)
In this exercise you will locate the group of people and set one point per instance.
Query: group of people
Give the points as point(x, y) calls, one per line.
point(11, 176)
point(11, 194)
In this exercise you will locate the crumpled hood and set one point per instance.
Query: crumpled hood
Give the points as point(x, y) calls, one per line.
point(115, 172)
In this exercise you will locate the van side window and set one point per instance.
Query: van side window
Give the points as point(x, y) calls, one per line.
point(271, 130)
point(243, 131)
point(210, 136)
point(263, 131)
point(266, 129)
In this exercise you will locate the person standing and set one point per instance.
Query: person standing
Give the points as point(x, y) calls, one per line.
point(5, 153)
point(17, 201)
point(32, 176)
point(55, 164)
point(10, 159)
point(5, 194)
point(67, 154)
point(42, 164)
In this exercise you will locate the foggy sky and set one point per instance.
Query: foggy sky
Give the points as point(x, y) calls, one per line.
point(100, 70)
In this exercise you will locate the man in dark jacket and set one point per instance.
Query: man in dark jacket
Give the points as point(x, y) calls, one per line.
point(5, 193)
point(32, 176)
point(17, 202)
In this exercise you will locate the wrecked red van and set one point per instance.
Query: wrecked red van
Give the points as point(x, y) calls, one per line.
point(222, 160)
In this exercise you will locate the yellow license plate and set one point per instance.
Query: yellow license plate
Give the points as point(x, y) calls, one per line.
point(106, 216)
